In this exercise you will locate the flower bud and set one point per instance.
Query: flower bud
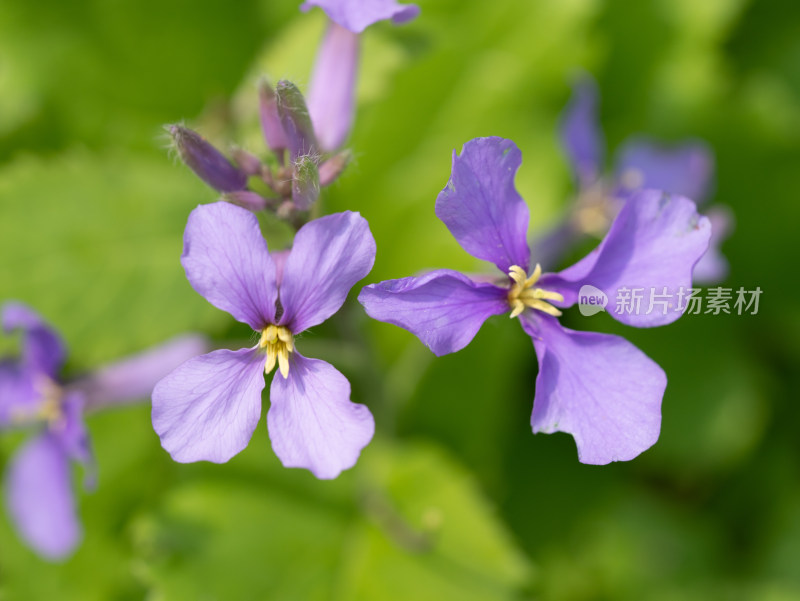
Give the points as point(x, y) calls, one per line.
point(208, 163)
point(295, 120)
point(270, 119)
point(305, 183)
point(246, 161)
point(247, 199)
point(333, 167)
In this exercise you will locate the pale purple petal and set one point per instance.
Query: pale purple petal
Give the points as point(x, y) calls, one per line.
point(713, 266)
point(18, 392)
point(331, 96)
point(443, 308)
point(40, 500)
point(599, 388)
point(328, 256)
point(312, 422)
point(481, 207)
point(652, 248)
point(133, 378)
point(580, 131)
point(42, 347)
point(71, 431)
point(357, 15)
point(209, 407)
point(227, 261)
point(685, 169)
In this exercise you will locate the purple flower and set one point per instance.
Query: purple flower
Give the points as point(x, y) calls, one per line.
point(331, 97)
point(597, 387)
point(208, 408)
point(38, 483)
point(685, 169)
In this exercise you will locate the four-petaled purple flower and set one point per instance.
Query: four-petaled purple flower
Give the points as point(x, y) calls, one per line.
point(685, 169)
point(331, 96)
point(38, 483)
point(597, 387)
point(208, 408)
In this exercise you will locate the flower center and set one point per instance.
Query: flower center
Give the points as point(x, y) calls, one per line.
point(523, 293)
point(278, 342)
point(47, 408)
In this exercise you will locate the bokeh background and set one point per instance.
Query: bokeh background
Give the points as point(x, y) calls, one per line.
point(455, 498)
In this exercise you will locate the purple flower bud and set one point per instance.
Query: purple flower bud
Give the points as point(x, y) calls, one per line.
point(295, 120)
point(270, 119)
point(247, 162)
point(305, 183)
point(207, 162)
point(246, 199)
point(333, 167)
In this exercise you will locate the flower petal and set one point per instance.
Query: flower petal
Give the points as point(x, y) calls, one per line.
point(443, 308)
point(39, 495)
point(18, 392)
point(357, 15)
point(713, 266)
point(42, 348)
point(331, 97)
point(599, 388)
point(312, 422)
point(481, 207)
point(133, 378)
point(580, 132)
point(328, 256)
point(651, 248)
point(685, 170)
point(227, 261)
point(209, 407)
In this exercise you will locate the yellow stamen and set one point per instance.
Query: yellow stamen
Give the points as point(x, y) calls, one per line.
point(523, 293)
point(278, 342)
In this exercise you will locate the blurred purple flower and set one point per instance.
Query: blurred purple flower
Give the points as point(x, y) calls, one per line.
point(599, 388)
point(331, 97)
point(208, 408)
point(38, 483)
point(684, 169)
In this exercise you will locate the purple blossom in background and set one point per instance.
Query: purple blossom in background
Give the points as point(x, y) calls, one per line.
point(685, 169)
point(331, 96)
point(38, 482)
point(208, 408)
point(599, 388)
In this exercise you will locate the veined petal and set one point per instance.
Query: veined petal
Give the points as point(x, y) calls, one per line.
point(39, 496)
point(227, 261)
point(42, 347)
point(599, 388)
point(357, 15)
point(685, 170)
point(651, 248)
point(209, 407)
point(133, 378)
point(328, 256)
point(481, 207)
point(713, 266)
point(443, 308)
point(312, 422)
point(331, 97)
point(581, 135)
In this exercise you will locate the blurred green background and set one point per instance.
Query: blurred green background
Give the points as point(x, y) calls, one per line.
point(455, 498)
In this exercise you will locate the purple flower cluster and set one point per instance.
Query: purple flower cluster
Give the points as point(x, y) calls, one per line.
point(597, 387)
point(38, 483)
